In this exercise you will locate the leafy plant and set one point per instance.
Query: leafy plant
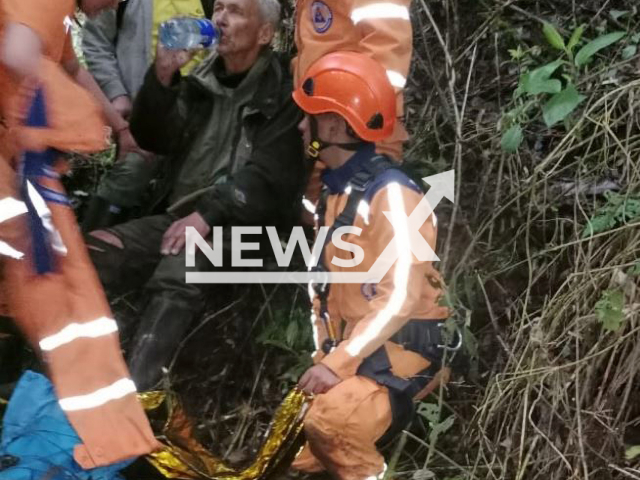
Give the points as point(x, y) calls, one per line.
point(553, 37)
point(635, 270)
point(291, 333)
point(561, 105)
point(609, 310)
point(632, 452)
point(431, 413)
point(550, 87)
point(512, 138)
point(632, 48)
point(587, 52)
point(618, 14)
point(539, 81)
point(618, 210)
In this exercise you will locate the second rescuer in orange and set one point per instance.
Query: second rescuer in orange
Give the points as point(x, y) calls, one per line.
point(378, 345)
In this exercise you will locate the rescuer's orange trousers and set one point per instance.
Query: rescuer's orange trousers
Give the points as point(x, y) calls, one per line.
point(86, 367)
point(342, 427)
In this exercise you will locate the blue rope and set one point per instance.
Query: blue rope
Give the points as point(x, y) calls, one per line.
point(36, 165)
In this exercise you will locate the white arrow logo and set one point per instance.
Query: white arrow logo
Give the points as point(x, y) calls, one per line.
point(442, 186)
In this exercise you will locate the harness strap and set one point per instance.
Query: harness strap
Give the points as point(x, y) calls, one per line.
point(424, 339)
point(317, 145)
point(420, 336)
point(359, 183)
point(34, 166)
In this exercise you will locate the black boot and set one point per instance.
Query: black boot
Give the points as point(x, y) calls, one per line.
point(101, 213)
point(164, 324)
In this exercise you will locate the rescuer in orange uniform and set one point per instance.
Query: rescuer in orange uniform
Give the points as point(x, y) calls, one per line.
point(378, 345)
point(52, 290)
point(381, 29)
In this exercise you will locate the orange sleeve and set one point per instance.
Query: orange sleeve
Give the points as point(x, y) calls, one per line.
point(400, 292)
point(74, 117)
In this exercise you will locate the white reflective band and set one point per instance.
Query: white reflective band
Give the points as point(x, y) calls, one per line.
point(8, 251)
point(308, 205)
point(47, 219)
point(121, 388)
point(10, 207)
point(94, 329)
point(310, 290)
point(400, 277)
point(348, 190)
point(68, 23)
point(380, 476)
point(314, 326)
point(379, 10)
point(363, 211)
point(397, 79)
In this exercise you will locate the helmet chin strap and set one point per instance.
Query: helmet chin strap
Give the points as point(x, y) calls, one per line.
point(316, 145)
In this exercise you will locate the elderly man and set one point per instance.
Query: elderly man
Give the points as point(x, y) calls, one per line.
point(233, 157)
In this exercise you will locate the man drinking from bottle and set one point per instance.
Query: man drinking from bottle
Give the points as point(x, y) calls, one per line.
point(233, 156)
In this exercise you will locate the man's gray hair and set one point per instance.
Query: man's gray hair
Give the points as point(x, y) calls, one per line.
point(270, 12)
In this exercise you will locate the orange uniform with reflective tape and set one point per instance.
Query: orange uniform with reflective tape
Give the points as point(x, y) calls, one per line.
point(344, 424)
point(378, 28)
point(367, 315)
point(64, 312)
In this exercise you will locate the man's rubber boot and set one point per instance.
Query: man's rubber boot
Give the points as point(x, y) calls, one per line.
point(101, 213)
point(164, 324)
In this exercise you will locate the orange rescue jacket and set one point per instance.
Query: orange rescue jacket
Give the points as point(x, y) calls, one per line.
point(381, 29)
point(367, 315)
point(62, 311)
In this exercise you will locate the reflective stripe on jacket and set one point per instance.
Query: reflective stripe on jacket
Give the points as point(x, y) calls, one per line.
point(66, 318)
point(62, 310)
point(368, 314)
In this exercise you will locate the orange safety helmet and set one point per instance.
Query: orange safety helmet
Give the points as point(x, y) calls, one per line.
point(354, 86)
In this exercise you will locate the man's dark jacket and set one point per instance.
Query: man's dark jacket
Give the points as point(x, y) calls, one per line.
point(266, 175)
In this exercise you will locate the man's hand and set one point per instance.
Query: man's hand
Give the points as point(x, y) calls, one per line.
point(318, 379)
point(128, 144)
point(174, 238)
point(123, 105)
point(168, 62)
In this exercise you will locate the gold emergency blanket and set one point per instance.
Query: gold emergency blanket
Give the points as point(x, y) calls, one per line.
point(183, 457)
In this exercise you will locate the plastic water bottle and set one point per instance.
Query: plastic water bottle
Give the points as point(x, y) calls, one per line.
point(188, 33)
